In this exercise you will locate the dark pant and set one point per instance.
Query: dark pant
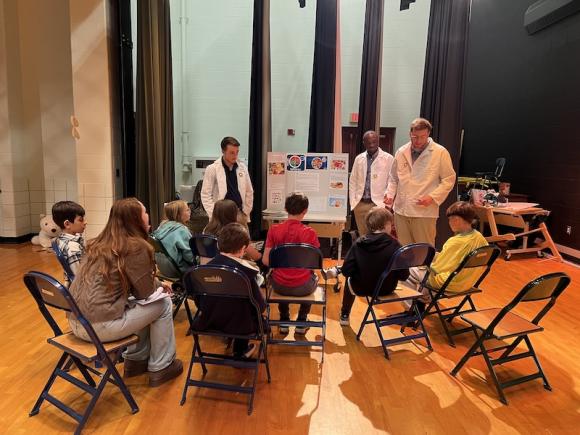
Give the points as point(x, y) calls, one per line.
point(304, 290)
point(240, 346)
point(347, 301)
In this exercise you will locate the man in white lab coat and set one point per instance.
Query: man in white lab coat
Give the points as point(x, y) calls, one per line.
point(368, 179)
point(421, 178)
point(226, 178)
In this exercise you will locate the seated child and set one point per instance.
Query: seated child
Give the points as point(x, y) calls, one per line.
point(367, 259)
point(175, 235)
point(233, 316)
point(292, 282)
point(70, 217)
point(225, 212)
point(465, 239)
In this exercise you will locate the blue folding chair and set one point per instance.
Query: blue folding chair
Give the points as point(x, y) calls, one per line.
point(298, 256)
point(48, 292)
point(226, 283)
point(415, 255)
point(68, 273)
point(501, 324)
point(482, 258)
point(204, 246)
point(168, 269)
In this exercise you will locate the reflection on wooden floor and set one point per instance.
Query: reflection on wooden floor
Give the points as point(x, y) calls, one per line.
point(356, 391)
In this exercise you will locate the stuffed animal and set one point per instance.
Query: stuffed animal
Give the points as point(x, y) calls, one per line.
point(48, 231)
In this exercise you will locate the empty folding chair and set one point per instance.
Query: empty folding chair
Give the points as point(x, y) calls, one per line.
point(298, 256)
point(225, 283)
point(48, 292)
point(482, 258)
point(68, 273)
point(168, 270)
point(204, 246)
point(502, 324)
point(414, 255)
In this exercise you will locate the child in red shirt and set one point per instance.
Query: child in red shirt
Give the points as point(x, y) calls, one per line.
point(292, 282)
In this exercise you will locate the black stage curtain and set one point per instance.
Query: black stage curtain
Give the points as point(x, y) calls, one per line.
point(442, 100)
point(371, 69)
point(259, 140)
point(155, 170)
point(322, 97)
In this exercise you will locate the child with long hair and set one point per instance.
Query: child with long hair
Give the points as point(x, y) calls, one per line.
point(225, 212)
point(118, 264)
point(174, 234)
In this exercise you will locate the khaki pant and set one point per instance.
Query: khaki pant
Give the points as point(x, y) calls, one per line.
point(360, 212)
point(415, 229)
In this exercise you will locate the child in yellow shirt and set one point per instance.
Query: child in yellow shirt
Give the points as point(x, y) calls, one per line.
point(465, 240)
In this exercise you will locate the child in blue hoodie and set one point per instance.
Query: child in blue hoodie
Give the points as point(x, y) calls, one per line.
point(174, 234)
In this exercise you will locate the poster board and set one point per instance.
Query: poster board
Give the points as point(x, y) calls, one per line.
point(323, 177)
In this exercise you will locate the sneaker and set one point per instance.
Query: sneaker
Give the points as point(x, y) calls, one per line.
point(173, 370)
point(329, 273)
point(252, 348)
point(301, 330)
point(344, 320)
point(283, 329)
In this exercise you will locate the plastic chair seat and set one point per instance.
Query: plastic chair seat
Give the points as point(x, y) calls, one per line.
point(511, 325)
point(85, 350)
point(317, 297)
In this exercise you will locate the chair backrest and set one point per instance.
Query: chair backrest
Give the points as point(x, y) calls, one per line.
point(296, 256)
point(483, 256)
point(204, 245)
point(63, 261)
point(47, 291)
point(546, 287)
point(167, 265)
point(413, 255)
point(221, 282)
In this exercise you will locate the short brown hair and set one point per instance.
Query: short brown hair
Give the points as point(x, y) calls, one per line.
point(421, 124)
point(228, 140)
point(296, 203)
point(377, 218)
point(232, 238)
point(463, 209)
point(66, 211)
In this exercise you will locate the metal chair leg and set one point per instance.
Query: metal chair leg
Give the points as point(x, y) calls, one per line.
point(36, 408)
point(547, 385)
point(498, 387)
point(364, 322)
point(468, 354)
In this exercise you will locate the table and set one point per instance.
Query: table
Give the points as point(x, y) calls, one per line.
point(329, 226)
point(513, 216)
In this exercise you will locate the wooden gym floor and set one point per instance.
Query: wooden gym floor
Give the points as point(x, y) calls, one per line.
point(355, 391)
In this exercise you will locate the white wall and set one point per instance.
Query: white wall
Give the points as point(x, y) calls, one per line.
point(292, 54)
point(212, 54)
point(54, 64)
point(404, 46)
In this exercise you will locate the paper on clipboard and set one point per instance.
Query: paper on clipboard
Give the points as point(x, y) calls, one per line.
point(153, 297)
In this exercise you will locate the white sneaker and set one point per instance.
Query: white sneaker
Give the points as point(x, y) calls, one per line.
point(252, 348)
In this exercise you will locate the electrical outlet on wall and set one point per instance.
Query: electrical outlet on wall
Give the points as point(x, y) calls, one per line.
point(569, 229)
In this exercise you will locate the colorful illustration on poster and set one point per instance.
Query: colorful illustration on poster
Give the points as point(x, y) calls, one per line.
point(295, 162)
point(338, 164)
point(276, 168)
point(336, 201)
point(316, 162)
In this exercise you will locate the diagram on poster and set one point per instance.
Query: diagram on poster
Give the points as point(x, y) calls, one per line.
point(322, 177)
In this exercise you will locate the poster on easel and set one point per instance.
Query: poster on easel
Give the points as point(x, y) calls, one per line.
point(323, 177)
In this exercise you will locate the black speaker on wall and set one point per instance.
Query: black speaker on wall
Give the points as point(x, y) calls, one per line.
point(544, 13)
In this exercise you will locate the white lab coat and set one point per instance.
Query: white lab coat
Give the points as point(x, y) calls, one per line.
point(380, 168)
point(432, 174)
point(214, 187)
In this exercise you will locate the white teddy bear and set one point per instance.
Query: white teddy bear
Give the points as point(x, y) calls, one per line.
point(48, 231)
